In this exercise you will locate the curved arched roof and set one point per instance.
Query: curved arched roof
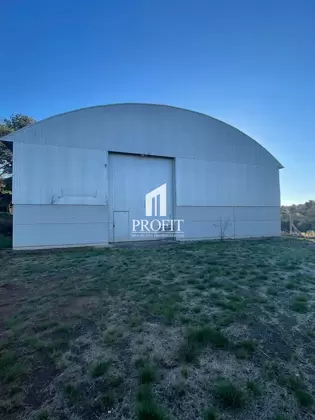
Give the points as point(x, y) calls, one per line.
point(108, 125)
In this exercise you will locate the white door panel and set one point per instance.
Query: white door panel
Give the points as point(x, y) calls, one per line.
point(131, 177)
point(121, 226)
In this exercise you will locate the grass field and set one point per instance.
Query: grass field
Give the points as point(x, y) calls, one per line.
point(211, 330)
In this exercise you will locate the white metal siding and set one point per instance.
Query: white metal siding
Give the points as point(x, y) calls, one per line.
point(148, 129)
point(257, 213)
point(64, 225)
point(207, 183)
point(66, 214)
point(251, 229)
point(210, 229)
point(206, 222)
point(59, 175)
point(204, 213)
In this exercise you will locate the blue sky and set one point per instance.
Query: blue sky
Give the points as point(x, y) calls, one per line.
point(248, 63)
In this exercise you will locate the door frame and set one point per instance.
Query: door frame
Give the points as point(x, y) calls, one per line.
point(121, 211)
point(111, 234)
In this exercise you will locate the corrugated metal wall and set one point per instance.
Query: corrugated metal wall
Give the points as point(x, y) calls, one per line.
point(60, 196)
point(206, 183)
point(242, 198)
point(44, 225)
point(59, 175)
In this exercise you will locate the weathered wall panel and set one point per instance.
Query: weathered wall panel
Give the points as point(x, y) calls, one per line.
point(257, 213)
point(52, 214)
point(52, 226)
point(59, 175)
point(211, 222)
point(204, 213)
point(260, 228)
point(210, 229)
point(207, 183)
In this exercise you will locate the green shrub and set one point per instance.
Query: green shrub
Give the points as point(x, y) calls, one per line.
point(299, 306)
point(6, 223)
point(72, 392)
point(210, 414)
point(254, 388)
point(245, 349)
point(201, 337)
point(100, 368)
point(230, 395)
point(147, 374)
point(304, 398)
point(146, 407)
point(298, 387)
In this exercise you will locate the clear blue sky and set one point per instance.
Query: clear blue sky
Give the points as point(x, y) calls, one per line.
point(250, 63)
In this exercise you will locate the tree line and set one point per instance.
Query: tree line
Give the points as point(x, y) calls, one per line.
point(302, 215)
point(14, 123)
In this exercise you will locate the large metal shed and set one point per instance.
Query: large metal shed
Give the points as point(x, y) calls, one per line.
point(80, 178)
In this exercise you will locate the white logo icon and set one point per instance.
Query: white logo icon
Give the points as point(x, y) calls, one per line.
point(152, 197)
